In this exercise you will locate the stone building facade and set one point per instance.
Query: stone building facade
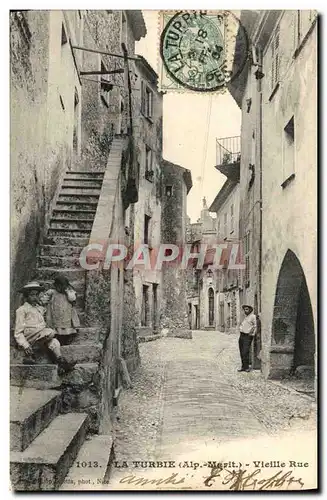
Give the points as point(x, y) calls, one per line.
point(227, 287)
point(80, 122)
point(200, 282)
point(147, 211)
point(74, 118)
point(277, 92)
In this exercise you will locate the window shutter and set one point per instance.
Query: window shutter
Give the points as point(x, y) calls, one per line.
point(272, 64)
point(275, 58)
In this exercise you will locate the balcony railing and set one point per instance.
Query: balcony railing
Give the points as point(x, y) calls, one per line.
point(228, 150)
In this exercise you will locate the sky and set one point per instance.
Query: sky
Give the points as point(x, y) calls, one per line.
point(191, 124)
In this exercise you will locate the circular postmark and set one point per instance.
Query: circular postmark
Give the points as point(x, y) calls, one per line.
point(203, 50)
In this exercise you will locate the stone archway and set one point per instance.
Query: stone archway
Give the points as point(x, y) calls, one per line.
point(293, 336)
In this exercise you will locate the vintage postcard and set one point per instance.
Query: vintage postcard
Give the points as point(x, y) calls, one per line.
point(163, 250)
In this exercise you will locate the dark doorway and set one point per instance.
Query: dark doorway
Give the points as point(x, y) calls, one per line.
point(155, 307)
point(197, 319)
point(190, 315)
point(304, 345)
point(293, 326)
point(145, 306)
point(211, 298)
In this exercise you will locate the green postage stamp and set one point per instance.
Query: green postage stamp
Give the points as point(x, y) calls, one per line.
point(197, 50)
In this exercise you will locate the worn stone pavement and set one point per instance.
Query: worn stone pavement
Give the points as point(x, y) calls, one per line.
point(188, 403)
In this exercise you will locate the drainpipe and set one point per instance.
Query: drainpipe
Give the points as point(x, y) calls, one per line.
point(260, 184)
point(259, 75)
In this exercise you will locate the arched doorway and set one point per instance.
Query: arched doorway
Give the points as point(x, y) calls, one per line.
point(293, 336)
point(211, 299)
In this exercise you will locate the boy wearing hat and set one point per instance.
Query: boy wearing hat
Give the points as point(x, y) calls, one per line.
point(248, 329)
point(31, 330)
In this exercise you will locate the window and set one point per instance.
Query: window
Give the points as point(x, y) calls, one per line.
point(76, 122)
point(288, 152)
point(232, 218)
point(105, 86)
point(147, 220)
point(304, 20)
point(146, 101)
point(275, 59)
point(148, 164)
point(218, 227)
point(169, 191)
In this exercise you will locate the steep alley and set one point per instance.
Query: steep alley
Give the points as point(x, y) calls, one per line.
point(189, 405)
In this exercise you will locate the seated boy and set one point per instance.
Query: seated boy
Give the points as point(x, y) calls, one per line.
point(31, 330)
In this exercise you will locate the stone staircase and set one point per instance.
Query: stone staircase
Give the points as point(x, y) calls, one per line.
point(49, 427)
point(47, 445)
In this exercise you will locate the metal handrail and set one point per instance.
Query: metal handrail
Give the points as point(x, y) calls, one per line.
point(228, 149)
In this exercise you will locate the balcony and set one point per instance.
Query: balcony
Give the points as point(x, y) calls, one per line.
point(228, 156)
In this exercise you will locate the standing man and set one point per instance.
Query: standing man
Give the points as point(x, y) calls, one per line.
point(248, 329)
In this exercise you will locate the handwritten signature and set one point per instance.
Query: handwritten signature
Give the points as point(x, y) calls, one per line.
point(244, 480)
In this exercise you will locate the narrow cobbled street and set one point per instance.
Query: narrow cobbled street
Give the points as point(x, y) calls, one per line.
point(189, 405)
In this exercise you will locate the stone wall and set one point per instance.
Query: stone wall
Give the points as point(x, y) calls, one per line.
point(42, 150)
point(29, 62)
point(289, 211)
point(174, 316)
point(101, 110)
point(148, 133)
point(129, 344)
point(249, 191)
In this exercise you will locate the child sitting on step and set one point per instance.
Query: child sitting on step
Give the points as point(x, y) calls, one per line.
point(61, 311)
point(31, 331)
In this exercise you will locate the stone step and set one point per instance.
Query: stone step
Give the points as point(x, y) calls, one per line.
point(81, 174)
point(43, 466)
point(69, 233)
point(59, 214)
point(81, 183)
point(83, 375)
point(66, 240)
point(60, 262)
point(39, 376)
point(71, 224)
point(87, 334)
point(60, 251)
point(31, 411)
point(81, 352)
point(98, 449)
point(49, 273)
point(74, 198)
point(77, 191)
point(44, 376)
